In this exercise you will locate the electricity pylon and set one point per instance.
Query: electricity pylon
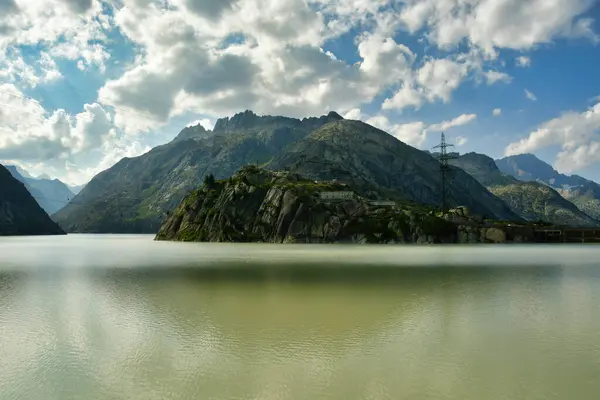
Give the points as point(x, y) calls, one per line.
point(445, 171)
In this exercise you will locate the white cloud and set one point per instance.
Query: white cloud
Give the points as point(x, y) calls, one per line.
point(497, 112)
point(523, 62)
point(461, 141)
point(37, 139)
point(186, 61)
point(530, 95)
point(435, 80)
point(14, 69)
point(495, 76)
point(463, 119)
point(491, 24)
point(205, 122)
point(279, 68)
point(415, 133)
point(576, 133)
point(355, 114)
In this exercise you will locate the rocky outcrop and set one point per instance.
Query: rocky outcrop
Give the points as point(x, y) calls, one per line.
point(20, 214)
point(256, 205)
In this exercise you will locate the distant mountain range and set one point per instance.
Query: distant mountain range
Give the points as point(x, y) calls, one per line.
point(20, 214)
point(584, 193)
point(136, 194)
point(51, 194)
point(531, 200)
point(76, 189)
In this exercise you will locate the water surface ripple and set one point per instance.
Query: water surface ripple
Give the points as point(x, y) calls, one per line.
point(124, 317)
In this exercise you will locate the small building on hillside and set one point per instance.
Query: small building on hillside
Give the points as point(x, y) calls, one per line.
point(382, 203)
point(340, 195)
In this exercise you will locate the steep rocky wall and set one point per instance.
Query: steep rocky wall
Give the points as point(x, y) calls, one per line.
point(261, 206)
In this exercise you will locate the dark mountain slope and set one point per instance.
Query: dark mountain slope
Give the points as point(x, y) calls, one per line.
point(133, 195)
point(51, 194)
point(20, 214)
point(373, 161)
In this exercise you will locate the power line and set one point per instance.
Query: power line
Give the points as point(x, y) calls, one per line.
point(445, 171)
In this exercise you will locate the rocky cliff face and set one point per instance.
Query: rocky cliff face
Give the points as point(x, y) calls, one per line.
point(20, 214)
point(257, 205)
point(533, 201)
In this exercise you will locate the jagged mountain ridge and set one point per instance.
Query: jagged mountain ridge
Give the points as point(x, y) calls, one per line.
point(20, 214)
point(134, 194)
point(584, 193)
point(531, 200)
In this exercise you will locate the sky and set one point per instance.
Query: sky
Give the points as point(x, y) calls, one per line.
point(84, 83)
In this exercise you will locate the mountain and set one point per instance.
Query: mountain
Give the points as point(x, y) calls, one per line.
point(584, 193)
point(379, 165)
point(51, 194)
point(76, 189)
point(134, 194)
point(258, 205)
point(193, 132)
point(531, 200)
point(20, 214)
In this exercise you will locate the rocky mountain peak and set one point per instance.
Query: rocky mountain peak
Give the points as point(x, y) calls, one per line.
point(246, 119)
point(334, 116)
point(528, 167)
point(481, 160)
point(192, 132)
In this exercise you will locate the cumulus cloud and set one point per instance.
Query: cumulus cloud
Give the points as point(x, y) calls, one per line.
point(495, 76)
point(435, 80)
point(463, 119)
point(31, 136)
point(497, 112)
point(530, 95)
point(492, 24)
point(523, 62)
point(215, 58)
point(415, 133)
point(14, 69)
point(576, 133)
point(279, 67)
point(354, 114)
point(205, 123)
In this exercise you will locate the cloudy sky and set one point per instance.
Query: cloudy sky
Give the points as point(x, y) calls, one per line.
point(84, 83)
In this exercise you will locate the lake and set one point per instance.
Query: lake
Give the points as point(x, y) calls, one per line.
point(124, 317)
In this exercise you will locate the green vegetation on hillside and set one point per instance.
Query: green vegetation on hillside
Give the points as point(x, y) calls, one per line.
point(533, 201)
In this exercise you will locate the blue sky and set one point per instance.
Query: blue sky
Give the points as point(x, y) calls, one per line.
point(91, 81)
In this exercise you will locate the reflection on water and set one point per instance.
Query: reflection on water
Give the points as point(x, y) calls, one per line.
point(123, 317)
